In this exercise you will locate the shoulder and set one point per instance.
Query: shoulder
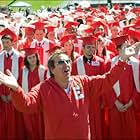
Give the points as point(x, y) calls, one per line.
point(99, 59)
point(80, 78)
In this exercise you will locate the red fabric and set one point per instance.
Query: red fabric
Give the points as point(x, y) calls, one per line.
point(10, 119)
point(123, 125)
point(42, 50)
point(33, 122)
point(95, 110)
point(89, 69)
point(71, 121)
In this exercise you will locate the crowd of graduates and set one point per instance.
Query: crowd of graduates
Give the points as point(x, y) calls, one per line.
point(93, 38)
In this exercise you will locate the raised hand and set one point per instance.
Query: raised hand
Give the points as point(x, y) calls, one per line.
point(136, 47)
point(8, 80)
point(129, 51)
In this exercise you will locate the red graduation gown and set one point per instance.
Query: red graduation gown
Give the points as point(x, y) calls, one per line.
point(95, 111)
point(65, 116)
point(10, 119)
point(122, 125)
point(33, 122)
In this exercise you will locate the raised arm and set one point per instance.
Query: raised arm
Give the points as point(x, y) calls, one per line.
point(101, 84)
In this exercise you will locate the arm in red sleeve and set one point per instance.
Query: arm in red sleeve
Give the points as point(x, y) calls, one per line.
point(136, 99)
point(103, 83)
point(28, 103)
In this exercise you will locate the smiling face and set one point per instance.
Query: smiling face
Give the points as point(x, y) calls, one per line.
point(89, 50)
point(32, 59)
point(62, 68)
point(39, 34)
point(7, 44)
point(68, 47)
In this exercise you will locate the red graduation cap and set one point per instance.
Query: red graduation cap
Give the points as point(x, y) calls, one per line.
point(89, 30)
point(30, 51)
point(54, 15)
point(39, 25)
point(115, 23)
point(50, 28)
point(66, 38)
point(52, 47)
point(137, 24)
point(134, 34)
point(98, 23)
point(120, 40)
point(89, 40)
point(70, 24)
point(97, 34)
point(126, 28)
point(103, 9)
point(116, 6)
point(135, 10)
point(7, 32)
point(29, 29)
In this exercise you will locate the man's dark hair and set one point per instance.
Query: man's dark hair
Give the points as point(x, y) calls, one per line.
point(51, 60)
point(7, 37)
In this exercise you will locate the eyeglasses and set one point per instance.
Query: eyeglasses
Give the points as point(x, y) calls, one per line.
point(61, 62)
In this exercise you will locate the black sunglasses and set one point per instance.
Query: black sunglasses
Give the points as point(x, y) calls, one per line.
point(61, 62)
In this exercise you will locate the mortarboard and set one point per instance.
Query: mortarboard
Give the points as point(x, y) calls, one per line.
point(89, 40)
point(52, 47)
point(39, 25)
point(7, 32)
point(30, 51)
point(89, 30)
point(116, 6)
point(66, 38)
point(134, 34)
point(98, 23)
point(126, 28)
point(29, 29)
point(137, 24)
point(120, 40)
point(50, 28)
point(115, 23)
point(70, 24)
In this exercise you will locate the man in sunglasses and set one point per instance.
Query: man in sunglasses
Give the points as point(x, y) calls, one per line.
point(63, 98)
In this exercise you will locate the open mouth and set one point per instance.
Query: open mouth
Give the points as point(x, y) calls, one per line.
point(66, 71)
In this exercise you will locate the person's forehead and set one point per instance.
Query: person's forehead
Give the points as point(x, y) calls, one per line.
point(61, 57)
point(39, 31)
point(5, 39)
point(89, 45)
point(32, 55)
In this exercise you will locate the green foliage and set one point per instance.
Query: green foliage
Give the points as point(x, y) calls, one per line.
point(36, 3)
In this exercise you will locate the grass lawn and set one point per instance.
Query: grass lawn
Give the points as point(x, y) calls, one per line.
point(36, 3)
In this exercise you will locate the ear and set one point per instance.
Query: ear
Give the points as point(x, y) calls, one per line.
point(52, 70)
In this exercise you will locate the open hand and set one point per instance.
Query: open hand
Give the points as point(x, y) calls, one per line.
point(8, 80)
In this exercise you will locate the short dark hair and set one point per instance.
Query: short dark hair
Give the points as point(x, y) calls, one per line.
point(51, 60)
point(26, 63)
point(7, 37)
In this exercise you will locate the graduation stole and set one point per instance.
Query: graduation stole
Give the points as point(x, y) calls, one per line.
point(15, 63)
point(80, 66)
point(41, 71)
point(43, 50)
